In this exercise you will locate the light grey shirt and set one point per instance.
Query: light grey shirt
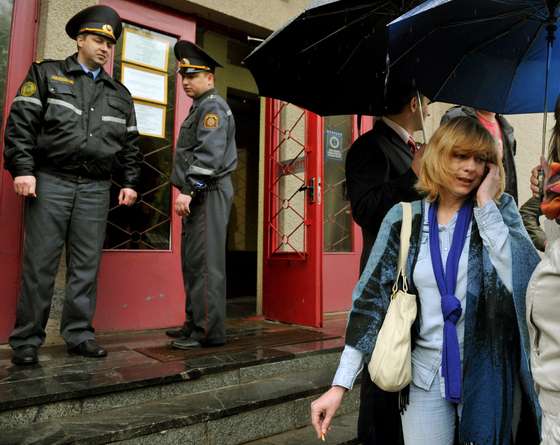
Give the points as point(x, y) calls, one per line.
point(426, 356)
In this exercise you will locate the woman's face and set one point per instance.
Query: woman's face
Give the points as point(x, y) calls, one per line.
point(467, 171)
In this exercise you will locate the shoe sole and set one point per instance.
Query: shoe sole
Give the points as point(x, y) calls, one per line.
point(184, 348)
point(17, 363)
point(87, 356)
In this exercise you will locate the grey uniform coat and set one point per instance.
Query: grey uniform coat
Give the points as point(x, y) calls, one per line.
point(205, 156)
point(206, 149)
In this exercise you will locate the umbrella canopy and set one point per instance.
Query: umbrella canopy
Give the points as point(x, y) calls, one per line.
point(489, 54)
point(331, 59)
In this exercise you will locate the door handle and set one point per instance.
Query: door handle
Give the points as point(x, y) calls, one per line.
point(313, 188)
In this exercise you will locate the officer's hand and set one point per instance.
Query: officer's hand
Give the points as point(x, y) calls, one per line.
point(183, 205)
point(127, 197)
point(25, 185)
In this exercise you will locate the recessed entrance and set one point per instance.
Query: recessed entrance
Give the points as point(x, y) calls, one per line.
point(243, 228)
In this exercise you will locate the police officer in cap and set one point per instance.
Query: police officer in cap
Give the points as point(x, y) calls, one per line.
point(70, 130)
point(205, 156)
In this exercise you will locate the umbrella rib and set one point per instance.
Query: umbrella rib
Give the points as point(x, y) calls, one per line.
point(451, 25)
point(472, 50)
point(354, 51)
point(338, 12)
point(342, 28)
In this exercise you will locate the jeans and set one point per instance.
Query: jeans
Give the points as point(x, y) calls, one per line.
point(429, 419)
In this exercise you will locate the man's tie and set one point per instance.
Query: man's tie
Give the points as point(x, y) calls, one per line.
point(412, 145)
point(90, 75)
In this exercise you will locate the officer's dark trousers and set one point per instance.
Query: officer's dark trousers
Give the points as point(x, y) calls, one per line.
point(72, 212)
point(204, 263)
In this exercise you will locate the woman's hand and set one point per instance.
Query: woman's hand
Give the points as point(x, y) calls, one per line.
point(324, 408)
point(489, 186)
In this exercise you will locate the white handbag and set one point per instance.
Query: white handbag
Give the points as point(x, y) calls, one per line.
point(390, 366)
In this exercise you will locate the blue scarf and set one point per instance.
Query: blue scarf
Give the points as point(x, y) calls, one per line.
point(450, 304)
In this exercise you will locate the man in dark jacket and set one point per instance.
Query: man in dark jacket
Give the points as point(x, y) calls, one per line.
point(70, 129)
point(381, 171)
point(205, 156)
point(502, 131)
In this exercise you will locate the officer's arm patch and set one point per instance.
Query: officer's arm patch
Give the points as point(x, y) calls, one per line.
point(211, 120)
point(28, 89)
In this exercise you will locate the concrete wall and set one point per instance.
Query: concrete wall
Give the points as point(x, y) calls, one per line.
point(52, 41)
point(230, 76)
point(257, 17)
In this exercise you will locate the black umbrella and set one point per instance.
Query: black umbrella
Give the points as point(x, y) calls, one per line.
point(331, 59)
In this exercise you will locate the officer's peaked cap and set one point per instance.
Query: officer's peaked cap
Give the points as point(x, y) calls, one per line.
point(193, 59)
point(101, 20)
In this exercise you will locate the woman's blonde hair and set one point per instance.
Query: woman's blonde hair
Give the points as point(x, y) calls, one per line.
point(461, 135)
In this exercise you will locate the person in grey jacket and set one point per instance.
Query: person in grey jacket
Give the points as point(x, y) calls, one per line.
point(495, 123)
point(205, 156)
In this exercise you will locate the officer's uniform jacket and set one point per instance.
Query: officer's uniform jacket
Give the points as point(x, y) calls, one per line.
point(63, 122)
point(206, 149)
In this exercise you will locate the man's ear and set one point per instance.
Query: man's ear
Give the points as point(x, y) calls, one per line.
point(413, 104)
point(79, 40)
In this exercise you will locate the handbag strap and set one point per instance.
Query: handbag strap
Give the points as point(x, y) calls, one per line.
point(406, 229)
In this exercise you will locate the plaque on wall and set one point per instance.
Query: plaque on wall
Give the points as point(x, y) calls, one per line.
point(145, 84)
point(145, 49)
point(150, 119)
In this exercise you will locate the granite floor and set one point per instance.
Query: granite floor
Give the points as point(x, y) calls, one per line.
point(142, 359)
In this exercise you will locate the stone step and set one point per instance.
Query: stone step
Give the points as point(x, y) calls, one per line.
point(229, 415)
point(343, 432)
point(63, 386)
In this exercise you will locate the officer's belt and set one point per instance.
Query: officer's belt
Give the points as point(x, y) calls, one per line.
point(79, 175)
point(214, 184)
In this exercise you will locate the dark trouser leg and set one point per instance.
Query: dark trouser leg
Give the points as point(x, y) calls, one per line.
point(84, 245)
point(46, 223)
point(527, 430)
point(379, 422)
point(203, 253)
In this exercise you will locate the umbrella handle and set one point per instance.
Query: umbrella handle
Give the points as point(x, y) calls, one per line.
point(419, 99)
point(541, 184)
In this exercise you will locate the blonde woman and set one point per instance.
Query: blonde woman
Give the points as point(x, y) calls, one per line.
point(470, 260)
